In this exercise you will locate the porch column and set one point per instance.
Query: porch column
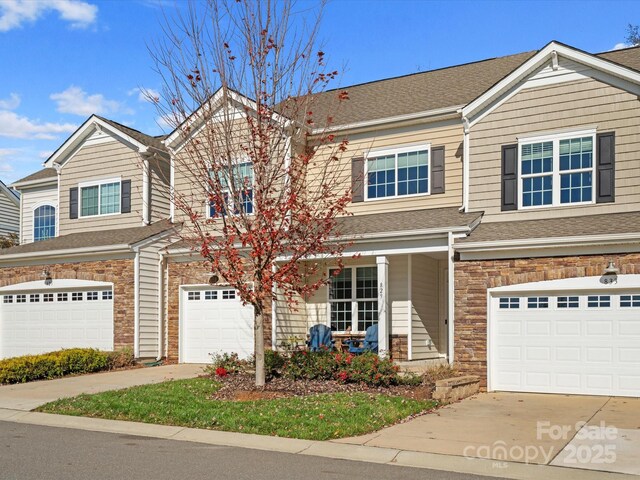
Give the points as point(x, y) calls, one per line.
point(383, 305)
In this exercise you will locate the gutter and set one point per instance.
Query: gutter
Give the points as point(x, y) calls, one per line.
point(66, 252)
point(41, 181)
point(521, 244)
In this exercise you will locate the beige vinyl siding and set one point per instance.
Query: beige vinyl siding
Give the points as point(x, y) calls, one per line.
point(150, 298)
point(291, 322)
point(90, 163)
point(9, 215)
point(446, 133)
point(159, 185)
point(31, 198)
point(548, 109)
point(425, 295)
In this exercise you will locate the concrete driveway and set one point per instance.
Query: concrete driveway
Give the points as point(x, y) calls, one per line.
point(27, 396)
point(598, 433)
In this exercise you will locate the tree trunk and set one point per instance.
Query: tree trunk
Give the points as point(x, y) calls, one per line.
point(258, 341)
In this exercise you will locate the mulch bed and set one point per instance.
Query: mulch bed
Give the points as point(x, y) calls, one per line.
point(241, 387)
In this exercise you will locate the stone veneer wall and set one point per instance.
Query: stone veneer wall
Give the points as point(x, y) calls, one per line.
point(119, 272)
point(399, 348)
point(192, 273)
point(473, 278)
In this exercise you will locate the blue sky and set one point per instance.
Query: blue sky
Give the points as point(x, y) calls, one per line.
point(61, 60)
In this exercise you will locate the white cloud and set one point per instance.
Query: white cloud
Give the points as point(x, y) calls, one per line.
point(45, 154)
point(10, 103)
point(14, 13)
point(145, 94)
point(619, 46)
point(76, 101)
point(15, 126)
point(5, 166)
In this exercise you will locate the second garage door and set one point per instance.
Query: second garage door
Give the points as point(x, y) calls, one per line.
point(570, 342)
point(214, 320)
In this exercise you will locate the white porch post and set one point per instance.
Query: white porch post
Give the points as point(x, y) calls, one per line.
point(383, 305)
point(451, 301)
point(274, 311)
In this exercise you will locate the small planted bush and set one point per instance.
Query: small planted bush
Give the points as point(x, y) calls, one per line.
point(223, 364)
point(57, 364)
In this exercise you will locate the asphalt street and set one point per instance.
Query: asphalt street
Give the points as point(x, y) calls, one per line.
point(29, 452)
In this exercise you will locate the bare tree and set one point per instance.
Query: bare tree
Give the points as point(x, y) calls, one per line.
point(10, 240)
point(258, 177)
point(633, 35)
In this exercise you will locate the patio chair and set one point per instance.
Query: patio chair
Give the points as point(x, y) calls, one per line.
point(370, 343)
point(320, 338)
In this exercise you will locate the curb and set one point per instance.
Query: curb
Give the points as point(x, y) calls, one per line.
point(327, 449)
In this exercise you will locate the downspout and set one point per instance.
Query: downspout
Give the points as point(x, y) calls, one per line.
point(274, 309)
point(465, 165)
point(146, 205)
point(451, 300)
point(58, 169)
point(172, 179)
point(136, 303)
point(21, 228)
point(161, 299)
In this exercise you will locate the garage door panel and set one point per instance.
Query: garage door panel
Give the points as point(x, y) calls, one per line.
point(213, 320)
point(591, 348)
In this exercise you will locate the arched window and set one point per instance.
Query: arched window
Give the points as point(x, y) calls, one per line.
point(44, 223)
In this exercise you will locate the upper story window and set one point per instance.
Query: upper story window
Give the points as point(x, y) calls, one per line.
point(398, 172)
point(557, 170)
point(100, 198)
point(241, 179)
point(44, 223)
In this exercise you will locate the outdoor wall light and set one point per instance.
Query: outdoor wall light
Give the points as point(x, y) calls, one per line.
point(46, 274)
point(213, 279)
point(610, 274)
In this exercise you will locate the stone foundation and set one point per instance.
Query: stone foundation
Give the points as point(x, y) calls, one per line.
point(399, 348)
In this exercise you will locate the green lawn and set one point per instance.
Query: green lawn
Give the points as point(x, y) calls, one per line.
point(186, 403)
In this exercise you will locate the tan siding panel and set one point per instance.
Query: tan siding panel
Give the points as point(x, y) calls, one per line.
point(31, 198)
point(425, 321)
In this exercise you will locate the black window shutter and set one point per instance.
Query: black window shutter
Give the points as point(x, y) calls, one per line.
point(125, 196)
point(509, 177)
point(73, 203)
point(357, 179)
point(437, 170)
point(606, 168)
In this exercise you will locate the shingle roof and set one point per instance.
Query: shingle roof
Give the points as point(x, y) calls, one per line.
point(148, 140)
point(45, 173)
point(628, 57)
point(412, 220)
point(418, 92)
point(105, 238)
point(616, 223)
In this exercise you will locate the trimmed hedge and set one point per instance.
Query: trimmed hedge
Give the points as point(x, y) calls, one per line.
point(61, 363)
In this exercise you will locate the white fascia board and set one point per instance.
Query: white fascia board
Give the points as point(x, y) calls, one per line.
point(32, 183)
point(159, 236)
point(12, 196)
point(548, 242)
point(623, 283)
point(213, 104)
point(395, 119)
point(84, 131)
point(546, 55)
point(57, 285)
point(67, 252)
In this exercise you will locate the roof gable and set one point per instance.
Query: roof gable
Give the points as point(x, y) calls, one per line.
point(626, 77)
point(133, 139)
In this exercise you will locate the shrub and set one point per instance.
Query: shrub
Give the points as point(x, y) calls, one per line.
point(230, 362)
point(367, 368)
point(120, 358)
point(273, 363)
point(52, 365)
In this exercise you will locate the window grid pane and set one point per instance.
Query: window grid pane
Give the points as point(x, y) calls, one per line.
point(340, 287)
point(576, 153)
point(509, 302)
point(89, 199)
point(341, 316)
point(537, 191)
point(110, 198)
point(366, 282)
point(576, 187)
point(367, 314)
point(568, 302)
point(44, 223)
point(537, 158)
point(538, 302)
point(382, 177)
point(627, 301)
point(413, 172)
point(595, 301)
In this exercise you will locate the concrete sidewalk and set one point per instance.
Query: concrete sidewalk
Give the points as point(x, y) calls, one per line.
point(27, 396)
point(388, 456)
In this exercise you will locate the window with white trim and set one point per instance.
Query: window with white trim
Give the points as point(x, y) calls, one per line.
point(193, 296)
point(228, 294)
point(77, 296)
point(398, 173)
point(211, 295)
point(100, 198)
point(47, 297)
point(353, 298)
point(63, 297)
point(242, 182)
point(107, 295)
point(627, 301)
point(92, 296)
point(34, 298)
point(557, 170)
point(21, 298)
point(598, 301)
point(537, 302)
point(44, 223)
point(7, 299)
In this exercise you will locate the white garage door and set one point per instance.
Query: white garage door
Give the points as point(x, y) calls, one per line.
point(569, 342)
point(43, 320)
point(214, 320)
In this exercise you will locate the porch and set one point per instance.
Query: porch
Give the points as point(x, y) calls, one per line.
point(405, 294)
